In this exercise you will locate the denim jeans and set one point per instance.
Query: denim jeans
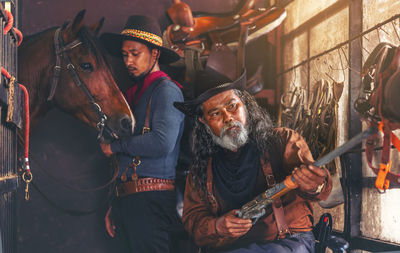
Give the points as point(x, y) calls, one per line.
point(296, 243)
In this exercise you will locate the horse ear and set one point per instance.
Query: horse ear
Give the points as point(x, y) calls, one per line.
point(97, 26)
point(75, 26)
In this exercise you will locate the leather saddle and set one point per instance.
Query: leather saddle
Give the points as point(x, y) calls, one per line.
point(218, 40)
point(191, 30)
point(381, 84)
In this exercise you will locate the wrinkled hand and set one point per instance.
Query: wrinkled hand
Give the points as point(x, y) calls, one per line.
point(110, 227)
point(106, 148)
point(231, 226)
point(309, 177)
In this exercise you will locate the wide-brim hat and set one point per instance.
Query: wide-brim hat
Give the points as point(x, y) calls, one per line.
point(143, 29)
point(209, 83)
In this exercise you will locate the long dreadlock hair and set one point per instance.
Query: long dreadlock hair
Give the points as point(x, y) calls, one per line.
point(260, 128)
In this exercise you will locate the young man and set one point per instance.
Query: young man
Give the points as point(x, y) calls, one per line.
point(238, 155)
point(144, 209)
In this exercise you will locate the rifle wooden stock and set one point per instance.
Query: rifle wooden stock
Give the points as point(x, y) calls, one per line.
point(289, 183)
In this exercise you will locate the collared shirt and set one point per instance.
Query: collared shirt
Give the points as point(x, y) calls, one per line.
point(201, 210)
point(158, 149)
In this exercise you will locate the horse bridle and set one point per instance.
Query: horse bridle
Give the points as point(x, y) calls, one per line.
point(61, 51)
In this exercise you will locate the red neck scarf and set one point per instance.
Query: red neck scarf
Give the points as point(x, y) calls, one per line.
point(149, 79)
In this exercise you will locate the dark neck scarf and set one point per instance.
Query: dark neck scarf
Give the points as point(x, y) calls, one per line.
point(235, 174)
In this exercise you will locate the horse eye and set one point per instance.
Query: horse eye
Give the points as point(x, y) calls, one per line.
point(87, 66)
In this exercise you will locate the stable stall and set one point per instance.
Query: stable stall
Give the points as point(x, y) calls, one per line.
point(328, 69)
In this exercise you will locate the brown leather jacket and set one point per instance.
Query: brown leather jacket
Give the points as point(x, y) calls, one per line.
point(200, 211)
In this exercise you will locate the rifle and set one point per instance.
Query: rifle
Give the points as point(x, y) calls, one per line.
point(256, 208)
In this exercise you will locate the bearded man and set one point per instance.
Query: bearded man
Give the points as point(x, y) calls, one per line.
point(238, 155)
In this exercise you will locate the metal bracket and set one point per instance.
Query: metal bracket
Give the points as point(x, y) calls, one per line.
point(8, 184)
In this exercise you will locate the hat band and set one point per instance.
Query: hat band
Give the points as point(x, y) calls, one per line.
point(149, 37)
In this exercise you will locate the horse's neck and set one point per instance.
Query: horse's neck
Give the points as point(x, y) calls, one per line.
point(35, 62)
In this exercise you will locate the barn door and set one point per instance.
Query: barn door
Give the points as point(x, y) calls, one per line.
point(10, 122)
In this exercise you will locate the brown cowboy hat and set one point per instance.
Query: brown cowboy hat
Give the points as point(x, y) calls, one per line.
point(143, 29)
point(209, 83)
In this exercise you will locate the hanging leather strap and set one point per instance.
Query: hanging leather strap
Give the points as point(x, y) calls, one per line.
point(277, 206)
point(280, 219)
point(146, 128)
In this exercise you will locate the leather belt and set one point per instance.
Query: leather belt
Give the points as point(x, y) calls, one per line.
point(144, 185)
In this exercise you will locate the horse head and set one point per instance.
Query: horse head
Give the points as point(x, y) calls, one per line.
point(66, 67)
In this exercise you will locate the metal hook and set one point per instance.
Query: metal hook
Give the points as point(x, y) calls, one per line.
point(328, 73)
point(383, 30)
point(359, 42)
point(303, 69)
point(318, 71)
point(293, 82)
point(395, 30)
point(379, 37)
point(330, 77)
point(345, 57)
point(348, 62)
point(341, 65)
point(339, 69)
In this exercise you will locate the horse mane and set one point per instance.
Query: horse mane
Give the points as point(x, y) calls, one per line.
point(88, 40)
point(38, 34)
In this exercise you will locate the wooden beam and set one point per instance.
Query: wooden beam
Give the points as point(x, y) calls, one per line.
point(352, 162)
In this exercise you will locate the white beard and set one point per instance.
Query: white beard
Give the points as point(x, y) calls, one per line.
point(232, 139)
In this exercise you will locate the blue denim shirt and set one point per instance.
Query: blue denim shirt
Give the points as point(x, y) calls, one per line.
point(158, 149)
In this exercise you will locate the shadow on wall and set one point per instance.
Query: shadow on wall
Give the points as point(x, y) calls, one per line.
point(41, 14)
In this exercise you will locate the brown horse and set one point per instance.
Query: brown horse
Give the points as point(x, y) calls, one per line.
point(66, 67)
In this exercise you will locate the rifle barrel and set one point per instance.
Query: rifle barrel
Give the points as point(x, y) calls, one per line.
point(289, 183)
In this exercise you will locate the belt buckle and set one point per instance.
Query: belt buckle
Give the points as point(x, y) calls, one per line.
point(283, 233)
point(145, 130)
point(270, 180)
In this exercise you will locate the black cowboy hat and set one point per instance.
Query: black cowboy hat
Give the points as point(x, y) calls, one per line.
point(143, 29)
point(209, 83)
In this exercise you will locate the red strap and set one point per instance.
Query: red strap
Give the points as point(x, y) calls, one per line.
point(210, 190)
point(10, 22)
point(384, 176)
point(381, 182)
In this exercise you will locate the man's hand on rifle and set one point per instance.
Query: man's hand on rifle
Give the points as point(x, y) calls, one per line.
point(310, 178)
point(230, 225)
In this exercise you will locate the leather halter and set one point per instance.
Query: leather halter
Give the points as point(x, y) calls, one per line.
point(61, 53)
